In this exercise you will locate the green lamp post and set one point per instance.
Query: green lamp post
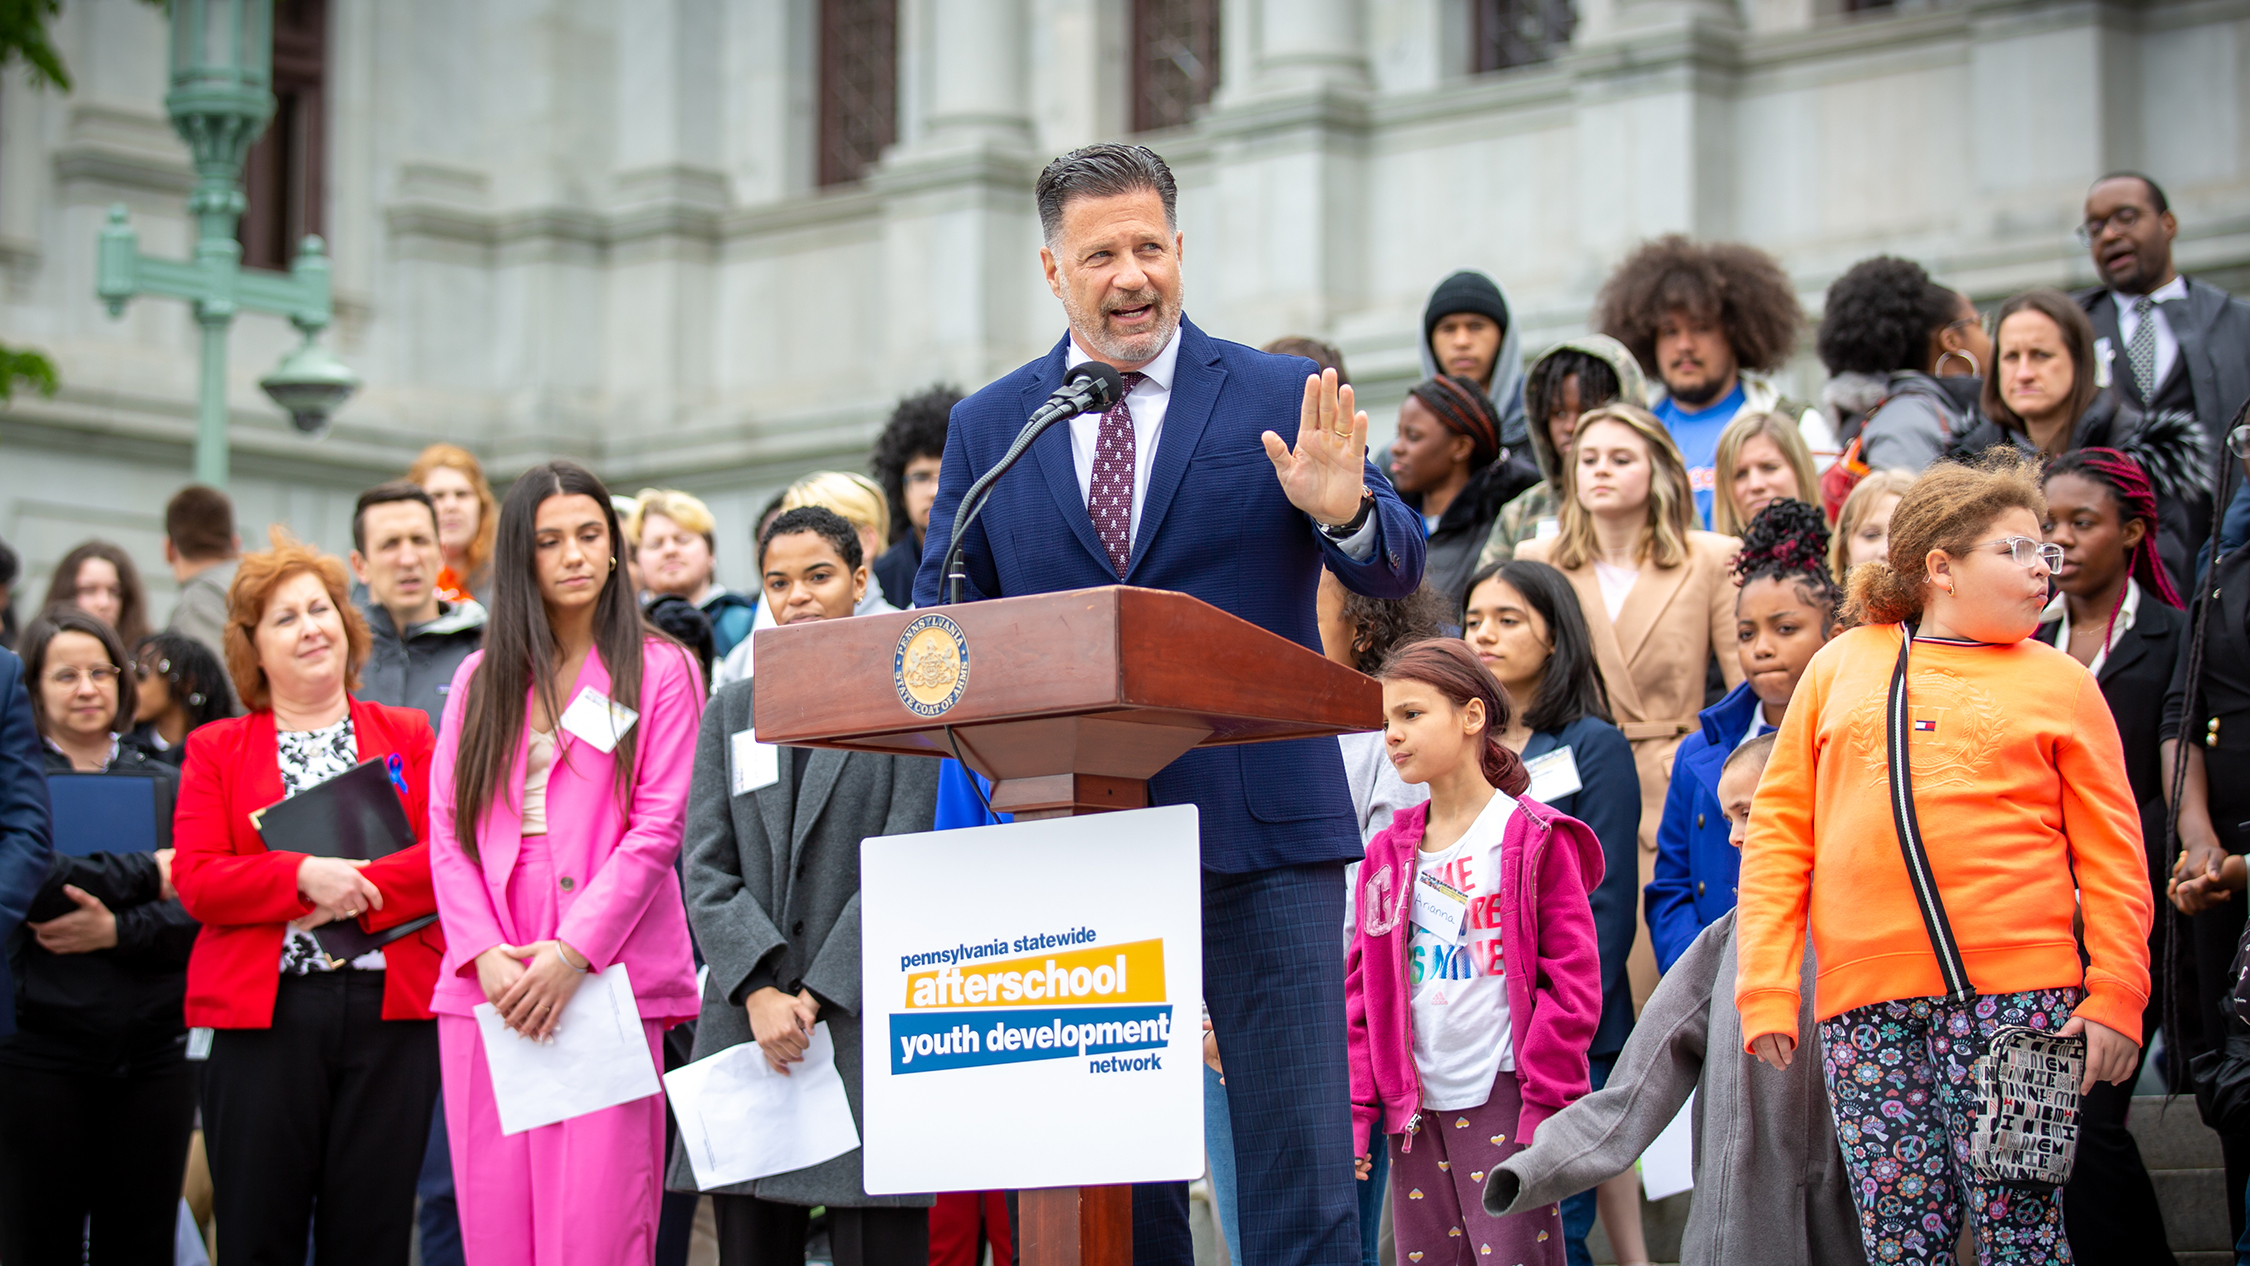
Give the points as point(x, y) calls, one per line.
point(221, 100)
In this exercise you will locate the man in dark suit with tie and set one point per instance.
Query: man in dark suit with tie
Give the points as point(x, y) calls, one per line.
point(1187, 484)
point(2172, 344)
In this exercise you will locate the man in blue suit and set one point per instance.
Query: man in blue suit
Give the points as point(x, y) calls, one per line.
point(25, 832)
point(1187, 485)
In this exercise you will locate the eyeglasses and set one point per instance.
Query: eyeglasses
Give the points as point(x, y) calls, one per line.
point(68, 676)
point(2123, 217)
point(2238, 441)
point(2027, 551)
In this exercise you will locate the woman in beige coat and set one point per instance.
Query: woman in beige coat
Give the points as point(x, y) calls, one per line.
point(1657, 595)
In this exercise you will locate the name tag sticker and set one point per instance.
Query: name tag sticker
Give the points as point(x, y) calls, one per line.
point(596, 718)
point(1439, 908)
point(1553, 775)
point(1546, 529)
point(754, 764)
point(199, 1044)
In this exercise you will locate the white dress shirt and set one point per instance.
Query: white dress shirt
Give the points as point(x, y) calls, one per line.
point(2129, 324)
point(1149, 400)
point(2127, 610)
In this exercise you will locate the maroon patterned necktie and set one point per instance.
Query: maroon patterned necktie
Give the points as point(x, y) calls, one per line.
point(1109, 498)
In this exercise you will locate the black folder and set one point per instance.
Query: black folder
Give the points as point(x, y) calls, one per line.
point(355, 815)
point(109, 813)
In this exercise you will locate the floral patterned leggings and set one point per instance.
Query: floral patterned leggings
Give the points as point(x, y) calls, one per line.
point(1898, 1082)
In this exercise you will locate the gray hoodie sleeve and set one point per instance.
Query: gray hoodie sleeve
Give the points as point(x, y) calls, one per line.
point(1601, 1135)
point(1905, 434)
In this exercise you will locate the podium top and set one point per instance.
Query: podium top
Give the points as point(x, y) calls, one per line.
point(894, 682)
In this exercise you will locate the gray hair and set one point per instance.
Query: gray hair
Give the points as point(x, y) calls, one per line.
point(1103, 171)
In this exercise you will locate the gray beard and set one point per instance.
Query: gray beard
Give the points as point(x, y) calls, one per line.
point(1137, 349)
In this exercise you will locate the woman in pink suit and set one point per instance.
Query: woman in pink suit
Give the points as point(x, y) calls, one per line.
point(554, 859)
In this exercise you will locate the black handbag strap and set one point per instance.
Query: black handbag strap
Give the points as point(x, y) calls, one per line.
point(1956, 972)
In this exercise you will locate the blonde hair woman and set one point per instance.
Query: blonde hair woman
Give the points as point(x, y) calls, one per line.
point(860, 502)
point(1657, 594)
point(1762, 459)
point(467, 517)
point(858, 499)
point(1863, 523)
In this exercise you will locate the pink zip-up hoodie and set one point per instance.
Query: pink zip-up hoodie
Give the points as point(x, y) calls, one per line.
point(1553, 965)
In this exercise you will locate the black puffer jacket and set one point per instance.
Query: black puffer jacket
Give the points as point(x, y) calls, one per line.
point(2168, 445)
point(1460, 531)
point(114, 1011)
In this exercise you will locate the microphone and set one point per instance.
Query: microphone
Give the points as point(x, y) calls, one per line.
point(1088, 386)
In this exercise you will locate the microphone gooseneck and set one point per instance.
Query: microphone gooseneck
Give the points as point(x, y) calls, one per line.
point(1088, 386)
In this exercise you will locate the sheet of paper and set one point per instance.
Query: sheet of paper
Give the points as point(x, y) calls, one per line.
point(599, 1057)
point(754, 764)
point(739, 1119)
point(598, 719)
point(1668, 1166)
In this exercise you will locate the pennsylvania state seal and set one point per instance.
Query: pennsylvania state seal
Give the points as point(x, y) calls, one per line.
point(931, 665)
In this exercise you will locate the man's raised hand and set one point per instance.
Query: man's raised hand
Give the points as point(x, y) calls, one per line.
point(1324, 475)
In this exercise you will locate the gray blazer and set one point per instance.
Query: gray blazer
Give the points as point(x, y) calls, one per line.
point(772, 882)
point(1770, 1187)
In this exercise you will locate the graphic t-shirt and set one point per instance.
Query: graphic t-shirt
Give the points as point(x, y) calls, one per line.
point(1697, 434)
point(1460, 989)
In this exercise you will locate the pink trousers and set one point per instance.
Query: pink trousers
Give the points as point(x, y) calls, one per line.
point(582, 1192)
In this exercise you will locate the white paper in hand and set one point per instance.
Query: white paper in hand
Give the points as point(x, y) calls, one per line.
point(599, 1057)
point(739, 1119)
point(1668, 1166)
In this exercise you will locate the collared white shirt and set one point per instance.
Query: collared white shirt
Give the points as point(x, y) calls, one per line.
point(1149, 400)
point(2059, 609)
point(2129, 324)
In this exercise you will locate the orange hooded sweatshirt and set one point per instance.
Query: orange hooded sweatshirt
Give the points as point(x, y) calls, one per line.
point(2019, 783)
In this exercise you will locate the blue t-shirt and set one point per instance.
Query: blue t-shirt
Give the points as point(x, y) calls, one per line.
point(1697, 434)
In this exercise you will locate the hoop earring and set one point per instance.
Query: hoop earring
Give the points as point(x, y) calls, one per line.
point(1975, 370)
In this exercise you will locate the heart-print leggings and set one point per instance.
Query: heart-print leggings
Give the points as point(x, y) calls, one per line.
point(1437, 1190)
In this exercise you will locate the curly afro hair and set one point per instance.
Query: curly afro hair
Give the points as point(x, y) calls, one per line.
point(1742, 286)
point(1880, 316)
point(916, 429)
point(1788, 542)
point(1383, 625)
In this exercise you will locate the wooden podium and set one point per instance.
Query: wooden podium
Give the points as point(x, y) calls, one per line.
point(1069, 702)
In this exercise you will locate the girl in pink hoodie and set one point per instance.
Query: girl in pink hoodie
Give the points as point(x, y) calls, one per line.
point(1473, 983)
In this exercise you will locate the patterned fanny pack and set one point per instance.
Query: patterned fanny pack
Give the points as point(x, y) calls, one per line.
point(2025, 1133)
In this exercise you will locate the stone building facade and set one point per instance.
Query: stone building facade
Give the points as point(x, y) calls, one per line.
point(705, 243)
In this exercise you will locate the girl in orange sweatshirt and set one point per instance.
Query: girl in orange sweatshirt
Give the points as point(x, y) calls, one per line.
point(2019, 785)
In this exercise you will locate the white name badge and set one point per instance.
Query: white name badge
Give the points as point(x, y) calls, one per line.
point(598, 719)
point(754, 764)
point(1553, 775)
point(1439, 907)
point(1546, 529)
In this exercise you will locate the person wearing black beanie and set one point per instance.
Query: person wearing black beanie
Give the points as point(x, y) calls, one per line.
point(1467, 332)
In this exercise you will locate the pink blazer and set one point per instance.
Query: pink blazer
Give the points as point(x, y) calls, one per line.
point(620, 896)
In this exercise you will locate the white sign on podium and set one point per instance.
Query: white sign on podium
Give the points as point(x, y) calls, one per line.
point(1032, 1004)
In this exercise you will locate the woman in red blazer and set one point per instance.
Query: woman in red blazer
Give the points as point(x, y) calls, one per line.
point(321, 1072)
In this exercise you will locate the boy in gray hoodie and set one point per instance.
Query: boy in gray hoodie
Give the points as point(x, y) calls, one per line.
point(1769, 1180)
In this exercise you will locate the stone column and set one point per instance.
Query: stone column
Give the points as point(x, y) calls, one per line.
point(978, 74)
point(1311, 42)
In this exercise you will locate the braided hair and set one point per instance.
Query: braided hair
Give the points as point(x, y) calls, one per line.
point(1597, 381)
point(1787, 542)
point(1462, 407)
point(2129, 486)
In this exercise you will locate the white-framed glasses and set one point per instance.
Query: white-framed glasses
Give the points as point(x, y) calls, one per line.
point(2027, 551)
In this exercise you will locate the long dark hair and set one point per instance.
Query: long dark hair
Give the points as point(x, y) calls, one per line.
point(520, 646)
point(1570, 686)
point(197, 678)
point(60, 618)
point(1448, 666)
point(132, 596)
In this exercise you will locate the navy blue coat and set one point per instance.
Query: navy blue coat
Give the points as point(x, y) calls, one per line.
point(1608, 801)
point(1696, 868)
point(1214, 525)
point(25, 826)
